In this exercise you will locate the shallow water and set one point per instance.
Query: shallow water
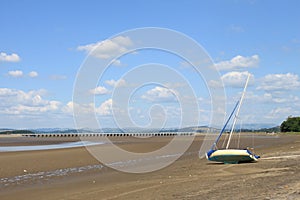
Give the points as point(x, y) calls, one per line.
point(48, 147)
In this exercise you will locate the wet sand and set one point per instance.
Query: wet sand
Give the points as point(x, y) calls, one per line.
point(275, 176)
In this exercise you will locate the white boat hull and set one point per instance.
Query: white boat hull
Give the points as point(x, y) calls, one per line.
point(231, 156)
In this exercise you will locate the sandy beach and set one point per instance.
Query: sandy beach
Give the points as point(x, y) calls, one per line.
point(75, 174)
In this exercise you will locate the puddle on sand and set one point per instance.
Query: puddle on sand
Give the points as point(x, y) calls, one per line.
point(48, 147)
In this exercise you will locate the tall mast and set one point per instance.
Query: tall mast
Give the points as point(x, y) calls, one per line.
point(238, 111)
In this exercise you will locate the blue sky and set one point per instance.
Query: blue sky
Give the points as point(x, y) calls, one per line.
point(43, 44)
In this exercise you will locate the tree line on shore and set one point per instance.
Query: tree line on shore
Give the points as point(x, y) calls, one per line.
point(291, 124)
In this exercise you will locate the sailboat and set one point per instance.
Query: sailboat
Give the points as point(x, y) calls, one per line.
point(228, 155)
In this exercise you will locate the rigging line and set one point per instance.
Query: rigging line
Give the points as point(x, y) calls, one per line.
point(224, 127)
point(238, 111)
point(252, 140)
point(224, 141)
point(238, 142)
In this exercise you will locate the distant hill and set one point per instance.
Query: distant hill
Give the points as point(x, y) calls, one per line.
point(275, 129)
point(256, 126)
point(198, 129)
point(16, 132)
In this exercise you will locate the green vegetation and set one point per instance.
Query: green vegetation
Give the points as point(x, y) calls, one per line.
point(16, 132)
point(291, 124)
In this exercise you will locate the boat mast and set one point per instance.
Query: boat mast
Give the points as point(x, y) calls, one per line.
point(238, 111)
point(224, 127)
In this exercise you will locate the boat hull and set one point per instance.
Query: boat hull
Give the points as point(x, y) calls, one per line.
point(231, 156)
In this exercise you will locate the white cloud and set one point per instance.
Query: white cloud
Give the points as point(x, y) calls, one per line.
point(58, 77)
point(9, 58)
point(86, 109)
point(13, 96)
point(236, 79)
point(185, 65)
point(105, 108)
point(19, 73)
point(238, 62)
point(33, 74)
point(278, 113)
point(273, 98)
point(99, 91)
point(215, 84)
point(232, 79)
point(107, 49)
point(23, 109)
point(117, 63)
point(159, 94)
point(68, 108)
point(16, 73)
point(118, 83)
point(80, 108)
point(285, 99)
point(280, 82)
point(14, 101)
